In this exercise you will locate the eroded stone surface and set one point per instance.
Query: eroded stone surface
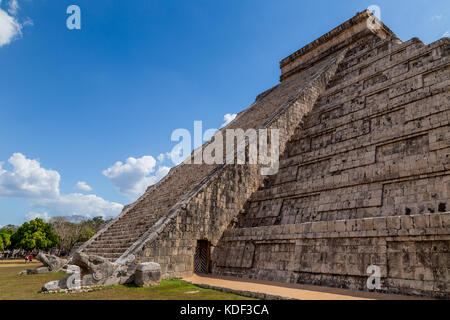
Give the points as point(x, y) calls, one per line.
point(95, 270)
point(364, 181)
point(55, 285)
point(51, 264)
point(147, 274)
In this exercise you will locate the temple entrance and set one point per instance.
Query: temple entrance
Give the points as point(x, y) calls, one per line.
point(202, 257)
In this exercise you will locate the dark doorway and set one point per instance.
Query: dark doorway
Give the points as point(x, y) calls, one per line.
point(202, 257)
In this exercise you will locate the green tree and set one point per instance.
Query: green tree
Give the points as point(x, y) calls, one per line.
point(97, 223)
point(35, 234)
point(85, 234)
point(5, 240)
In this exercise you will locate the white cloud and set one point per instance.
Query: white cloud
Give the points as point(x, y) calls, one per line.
point(34, 215)
point(446, 34)
point(228, 118)
point(10, 28)
point(40, 186)
point(83, 186)
point(436, 17)
point(161, 173)
point(28, 179)
point(13, 7)
point(28, 22)
point(161, 157)
point(175, 155)
point(134, 176)
point(77, 204)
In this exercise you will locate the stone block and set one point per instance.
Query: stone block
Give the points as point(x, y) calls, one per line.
point(445, 220)
point(340, 226)
point(393, 222)
point(350, 225)
point(379, 223)
point(55, 285)
point(421, 221)
point(406, 222)
point(148, 274)
point(368, 224)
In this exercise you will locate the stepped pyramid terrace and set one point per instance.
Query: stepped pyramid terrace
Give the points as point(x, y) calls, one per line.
point(363, 178)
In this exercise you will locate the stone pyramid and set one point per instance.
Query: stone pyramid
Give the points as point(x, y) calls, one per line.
point(363, 183)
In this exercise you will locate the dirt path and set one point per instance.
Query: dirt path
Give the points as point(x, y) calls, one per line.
point(19, 263)
point(295, 291)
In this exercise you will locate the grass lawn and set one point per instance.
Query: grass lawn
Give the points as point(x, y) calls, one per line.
point(27, 287)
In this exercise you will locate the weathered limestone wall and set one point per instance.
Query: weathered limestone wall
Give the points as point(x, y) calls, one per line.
point(369, 171)
point(411, 251)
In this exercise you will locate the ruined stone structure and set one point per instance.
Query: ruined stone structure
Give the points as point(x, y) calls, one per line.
point(51, 264)
point(364, 177)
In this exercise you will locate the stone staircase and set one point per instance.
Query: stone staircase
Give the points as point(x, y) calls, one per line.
point(281, 107)
point(353, 133)
point(140, 216)
point(137, 218)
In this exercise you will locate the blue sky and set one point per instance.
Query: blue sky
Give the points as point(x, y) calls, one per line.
point(75, 102)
